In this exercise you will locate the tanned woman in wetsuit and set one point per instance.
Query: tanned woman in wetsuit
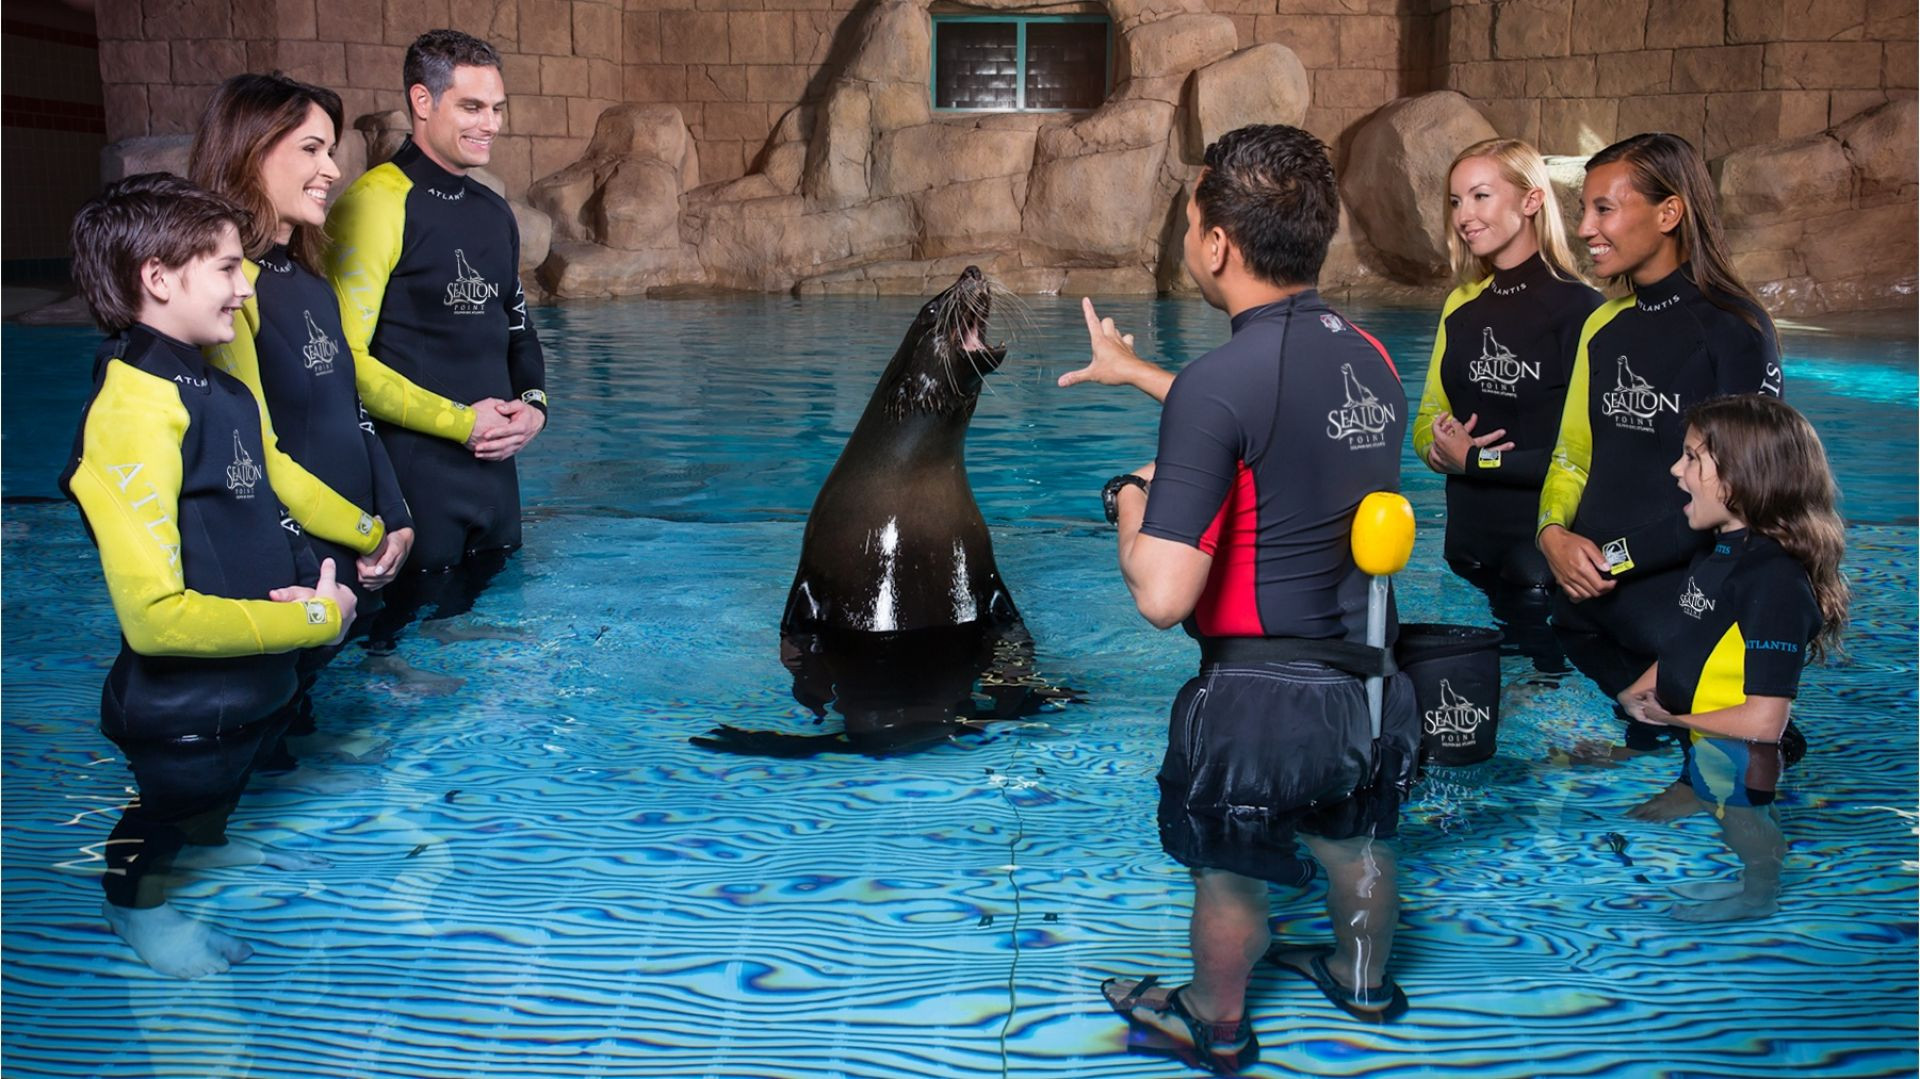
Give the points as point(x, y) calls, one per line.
point(1612, 525)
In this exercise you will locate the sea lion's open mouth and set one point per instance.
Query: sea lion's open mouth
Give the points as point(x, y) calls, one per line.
point(970, 302)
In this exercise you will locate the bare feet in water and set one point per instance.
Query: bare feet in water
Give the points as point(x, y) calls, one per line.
point(1734, 908)
point(1594, 753)
point(1709, 889)
point(174, 944)
point(1677, 801)
point(234, 853)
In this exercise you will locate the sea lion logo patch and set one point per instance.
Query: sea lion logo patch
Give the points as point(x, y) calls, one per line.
point(243, 473)
point(468, 293)
point(316, 612)
point(1361, 418)
point(1456, 718)
point(1332, 323)
point(1693, 601)
point(1489, 458)
point(1498, 371)
point(1619, 559)
point(1633, 403)
point(320, 349)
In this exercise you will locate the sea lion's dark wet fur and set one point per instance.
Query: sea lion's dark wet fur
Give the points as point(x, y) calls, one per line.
point(897, 617)
point(895, 541)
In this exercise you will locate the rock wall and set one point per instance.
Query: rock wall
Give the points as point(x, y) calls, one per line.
point(1572, 76)
point(563, 62)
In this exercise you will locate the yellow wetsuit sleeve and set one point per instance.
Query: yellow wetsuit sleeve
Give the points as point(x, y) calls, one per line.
point(127, 482)
point(318, 508)
point(1433, 396)
point(1573, 447)
point(367, 226)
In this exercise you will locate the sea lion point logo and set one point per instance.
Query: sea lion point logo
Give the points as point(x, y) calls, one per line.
point(1455, 719)
point(1361, 413)
point(468, 293)
point(320, 350)
point(1634, 400)
point(243, 473)
point(1332, 322)
point(1498, 370)
point(1693, 601)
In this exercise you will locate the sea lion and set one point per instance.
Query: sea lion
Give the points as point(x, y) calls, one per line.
point(897, 616)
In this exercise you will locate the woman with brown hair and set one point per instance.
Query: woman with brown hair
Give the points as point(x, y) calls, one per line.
point(267, 142)
point(1611, 526)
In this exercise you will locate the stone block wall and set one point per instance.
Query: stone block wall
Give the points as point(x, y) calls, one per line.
point(1572, 76)
point(161, 59)
point(732, 67)
point(1360, 54)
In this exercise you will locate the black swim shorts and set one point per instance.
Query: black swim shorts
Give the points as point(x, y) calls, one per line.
point(1256, 753)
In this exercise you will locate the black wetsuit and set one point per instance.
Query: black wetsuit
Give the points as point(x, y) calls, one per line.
point(1746, 614)
point(1268, 444)
point(1643, 361)
point(1504, 353)
point(181, 484)
point(426, 266)
point(288, 347)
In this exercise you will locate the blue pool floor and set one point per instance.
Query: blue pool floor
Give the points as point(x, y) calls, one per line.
point(543, 878)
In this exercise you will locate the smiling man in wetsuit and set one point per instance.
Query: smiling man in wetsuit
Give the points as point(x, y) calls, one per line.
point(1268, 444)
point(425, 260)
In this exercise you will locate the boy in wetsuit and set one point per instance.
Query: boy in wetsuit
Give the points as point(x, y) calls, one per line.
point(180, 483)
point(1268, 444)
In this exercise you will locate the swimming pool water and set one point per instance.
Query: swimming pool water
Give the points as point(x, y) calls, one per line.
point(544, 877)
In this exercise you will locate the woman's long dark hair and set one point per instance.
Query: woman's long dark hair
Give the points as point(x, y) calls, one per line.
point(247, 117)
point(1774, 471)
point(1665, 166)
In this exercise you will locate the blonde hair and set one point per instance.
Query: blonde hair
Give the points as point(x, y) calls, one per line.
point(1522, 166)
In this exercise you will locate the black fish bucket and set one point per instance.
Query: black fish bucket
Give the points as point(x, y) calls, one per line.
point(1456, 683)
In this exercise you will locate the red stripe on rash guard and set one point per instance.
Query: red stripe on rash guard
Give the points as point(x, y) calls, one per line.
point(1229, 606)
point(1378, 347)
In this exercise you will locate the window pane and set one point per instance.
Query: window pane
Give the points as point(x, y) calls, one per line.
point(1066, 65)
point(977, 65)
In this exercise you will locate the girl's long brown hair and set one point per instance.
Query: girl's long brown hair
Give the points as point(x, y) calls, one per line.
point(1664, 166)
point(1774, 470)
point(247, 117)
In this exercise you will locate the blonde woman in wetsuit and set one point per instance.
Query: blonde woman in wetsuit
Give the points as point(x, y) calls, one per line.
point(1498, 378)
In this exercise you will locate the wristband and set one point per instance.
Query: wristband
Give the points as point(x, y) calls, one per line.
point(1110, 494)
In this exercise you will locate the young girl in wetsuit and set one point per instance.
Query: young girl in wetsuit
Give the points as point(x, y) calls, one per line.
point(1610, 523)
point(1754, 609)
point(1498, 378)
point(267, 143)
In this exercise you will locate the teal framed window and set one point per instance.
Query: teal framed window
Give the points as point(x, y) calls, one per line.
point(1021, 63)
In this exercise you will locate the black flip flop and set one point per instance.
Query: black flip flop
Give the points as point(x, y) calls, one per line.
point(1382, 1003)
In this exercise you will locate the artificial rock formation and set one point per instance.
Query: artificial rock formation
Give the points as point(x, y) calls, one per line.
point(865, 188)
point(1395, 181)
point(616, 211)
point(1828, 222)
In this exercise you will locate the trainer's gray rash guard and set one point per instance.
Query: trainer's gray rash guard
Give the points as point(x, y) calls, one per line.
point(1265, 477)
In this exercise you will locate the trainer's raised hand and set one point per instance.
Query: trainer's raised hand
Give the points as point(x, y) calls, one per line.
point(1114, 363)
